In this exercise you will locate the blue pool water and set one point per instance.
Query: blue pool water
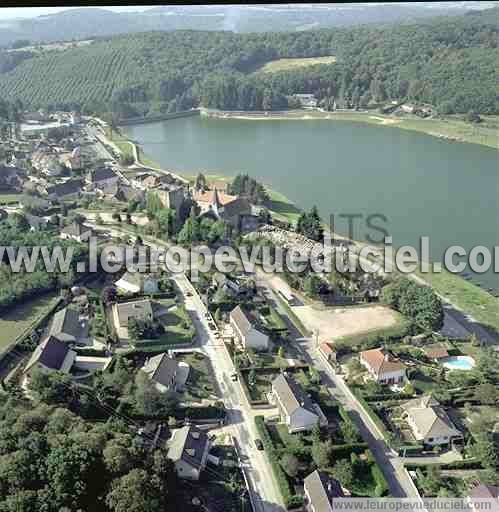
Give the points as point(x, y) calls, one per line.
point(459, 363)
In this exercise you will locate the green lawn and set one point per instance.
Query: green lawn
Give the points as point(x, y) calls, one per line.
point(16, 321)
point(200, 383)
point(6, 198)
point(281, 207)
point(483, 306)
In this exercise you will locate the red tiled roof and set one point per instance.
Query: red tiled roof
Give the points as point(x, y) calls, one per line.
point(381, 362)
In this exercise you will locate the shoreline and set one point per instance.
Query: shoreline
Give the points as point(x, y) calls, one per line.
point(450, 129)
point(464, 295)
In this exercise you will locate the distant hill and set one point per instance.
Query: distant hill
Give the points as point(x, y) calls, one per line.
point(91, 22)
point(449, 62)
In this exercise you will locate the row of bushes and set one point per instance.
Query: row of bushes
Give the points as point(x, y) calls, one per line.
point(387, 396)
point(290, 500)
point(381, 483)
point(376, 419)
point(458, 464)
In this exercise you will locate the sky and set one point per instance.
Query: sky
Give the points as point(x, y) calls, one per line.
point(31, 12)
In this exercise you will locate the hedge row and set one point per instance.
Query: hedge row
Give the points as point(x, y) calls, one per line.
point(370, 412)
point(381, 397)
point(458, 464)
point(290, 500)
point(344, 450)
point(381, 483)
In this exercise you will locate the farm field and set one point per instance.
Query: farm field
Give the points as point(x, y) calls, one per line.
point(275, 66)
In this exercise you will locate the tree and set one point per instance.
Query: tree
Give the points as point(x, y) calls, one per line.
point(290, 464)
point(135, 492)
point(343, 471)
point(473, 117)
point(109, 294)
point(487, 393)
point(201, 183)
point(322, 453)
point(51, 388)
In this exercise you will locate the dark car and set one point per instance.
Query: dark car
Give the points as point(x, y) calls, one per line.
point(259, 444)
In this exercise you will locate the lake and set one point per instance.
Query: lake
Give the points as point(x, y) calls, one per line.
point(425, 186)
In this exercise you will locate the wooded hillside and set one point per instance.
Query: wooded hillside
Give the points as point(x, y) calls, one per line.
point(448, 62)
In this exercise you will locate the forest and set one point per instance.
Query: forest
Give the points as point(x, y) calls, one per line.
point(448, 62)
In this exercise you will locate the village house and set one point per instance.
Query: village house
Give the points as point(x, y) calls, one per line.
point(11, 178)
point(320, 491)
point(247, 334)
point(76, 231)
point(382, 366)
point(188, 449)
point(306, 100)
point(436, 353)
point(297, 410)
point(102, 178)
point(123, 312)
point(328, 352)
point(51, 355)
point(69, 189)
point(429, 422)
point(162, 370)
point(67, 326)
point(138, 282)
point(484, 497)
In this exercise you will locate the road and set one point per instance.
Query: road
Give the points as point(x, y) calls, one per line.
point(399, 481)
point(263, 489)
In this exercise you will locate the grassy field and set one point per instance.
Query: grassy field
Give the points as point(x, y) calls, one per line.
point(282, 208)
point(275, 66)
point(121, 141)
point(9, 198)
point(17, 320)
point(483, 306)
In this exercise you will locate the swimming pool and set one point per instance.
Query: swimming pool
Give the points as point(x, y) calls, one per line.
point(459, 363)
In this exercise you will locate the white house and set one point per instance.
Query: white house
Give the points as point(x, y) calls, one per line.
point(297, 410)
point(123, 312)
point(76, 231)
point(137, 282)
point(320, 490)
point(188, 449)
point(382, 366)
point(246, 332)
point(429, 422)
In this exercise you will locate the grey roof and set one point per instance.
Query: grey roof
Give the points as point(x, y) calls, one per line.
point(101, 174)
point(50, 353)
point(430, 418)
point(67, 188)
point(322, 489)
point(240, 206)
point(66, 325)
point(291, 395)
point(484, 492)
point(161, 369)
point(75, 229)
point(188, 444)
point(241, 319)
point(138, 309)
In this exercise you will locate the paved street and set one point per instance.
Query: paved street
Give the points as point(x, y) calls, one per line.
point(390, 463)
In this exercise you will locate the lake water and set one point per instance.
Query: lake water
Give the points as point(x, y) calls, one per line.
point(423, 185)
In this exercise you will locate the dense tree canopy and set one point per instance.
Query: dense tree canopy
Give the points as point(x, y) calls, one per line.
point(52, 460)
point(420, 304)
point(448, 62)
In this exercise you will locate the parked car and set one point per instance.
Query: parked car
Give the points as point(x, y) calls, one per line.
point(233, 377)
point(188, 293)
point(259, 444)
